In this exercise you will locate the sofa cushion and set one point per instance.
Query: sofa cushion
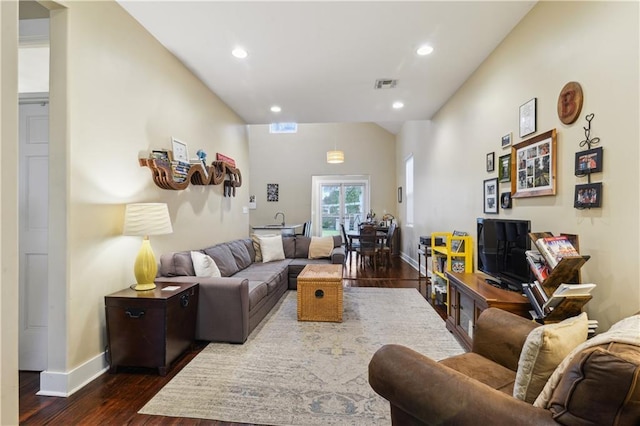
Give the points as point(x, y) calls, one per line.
point(204, 265)
point(483, 370)
point(271, 247)
point(302, 247)
point(600, 386)
point(223, 257)
point(240, 253)
point(289, 246)
point(543, 351)
point(256, 248)
point(320, 247)
point(273, 274)
point(176, 264)
point(248, 243)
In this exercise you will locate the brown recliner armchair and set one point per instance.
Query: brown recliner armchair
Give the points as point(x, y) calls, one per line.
point(476, 388)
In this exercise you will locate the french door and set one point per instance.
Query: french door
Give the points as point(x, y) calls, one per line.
point(341, 200)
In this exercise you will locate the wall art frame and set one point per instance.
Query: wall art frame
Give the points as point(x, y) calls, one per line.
point(506, 141)
point(504, 168)
point(273, 192)
point(505, 200)
point(588, 196)
point(491, 161)
point(588, 161)
point(490, 196)
point(533, 166)
point(180, 150)
point(527, 121)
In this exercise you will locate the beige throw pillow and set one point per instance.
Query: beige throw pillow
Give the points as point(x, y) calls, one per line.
point(204, 265)
point(271, 247)
point(320, 247)
point(543, 351)
point(256, 247)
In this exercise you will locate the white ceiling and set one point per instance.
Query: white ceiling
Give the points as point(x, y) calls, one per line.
point(319, 60)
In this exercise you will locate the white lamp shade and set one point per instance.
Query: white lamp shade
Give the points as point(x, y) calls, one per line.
point(143, 219)
point(335, 157)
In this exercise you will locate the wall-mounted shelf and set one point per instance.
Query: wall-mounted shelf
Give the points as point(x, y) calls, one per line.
point(215, 174)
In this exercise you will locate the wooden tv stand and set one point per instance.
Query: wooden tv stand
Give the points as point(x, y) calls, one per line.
point(469, 295)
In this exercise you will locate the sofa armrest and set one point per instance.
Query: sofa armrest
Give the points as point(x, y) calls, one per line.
point(337, 255)
point(223, 310)
point(499, 336)
point(422, 391)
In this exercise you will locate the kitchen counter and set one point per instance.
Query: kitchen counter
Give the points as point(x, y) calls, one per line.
point(270, 229)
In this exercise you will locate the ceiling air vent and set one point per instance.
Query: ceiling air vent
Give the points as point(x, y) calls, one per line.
point(385, 83)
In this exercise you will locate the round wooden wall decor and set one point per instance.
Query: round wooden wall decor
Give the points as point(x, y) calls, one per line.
point(570, 102)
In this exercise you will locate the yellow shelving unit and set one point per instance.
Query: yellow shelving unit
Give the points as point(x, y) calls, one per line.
point(455, 253)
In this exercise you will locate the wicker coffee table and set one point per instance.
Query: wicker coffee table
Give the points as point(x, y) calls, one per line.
point(320, 293)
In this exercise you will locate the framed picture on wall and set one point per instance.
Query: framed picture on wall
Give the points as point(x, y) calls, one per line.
point(588, 195)
point(272, 192)
point(504, 168)
point(528, 118)
point(490, 192)
point(491, 157)
point(506, 140)
point(533, 166)
point(180, 152)
point(589, 161)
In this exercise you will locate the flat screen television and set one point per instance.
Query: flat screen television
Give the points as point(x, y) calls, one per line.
point(501, 246)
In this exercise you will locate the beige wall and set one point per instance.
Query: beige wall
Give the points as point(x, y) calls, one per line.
point(116, 93)
point(8, 213)
point(594, 43)
point(290, 160)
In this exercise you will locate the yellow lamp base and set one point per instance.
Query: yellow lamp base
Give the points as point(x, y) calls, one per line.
point(145, 268)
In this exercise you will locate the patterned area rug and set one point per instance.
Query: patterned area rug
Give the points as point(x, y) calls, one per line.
point(306, 373)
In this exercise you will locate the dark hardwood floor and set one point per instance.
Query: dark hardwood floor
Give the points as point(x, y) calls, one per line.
point(115, 399)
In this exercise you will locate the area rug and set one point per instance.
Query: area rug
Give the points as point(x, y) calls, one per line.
point(306, 373)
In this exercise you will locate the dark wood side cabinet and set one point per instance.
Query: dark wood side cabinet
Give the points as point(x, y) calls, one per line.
point(151, 328)
point(469, 295)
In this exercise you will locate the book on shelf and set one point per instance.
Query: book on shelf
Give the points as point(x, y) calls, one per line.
point(457, 246)
point(554, 249)
point(535, 304)
point(568, 290)
point(537, 264)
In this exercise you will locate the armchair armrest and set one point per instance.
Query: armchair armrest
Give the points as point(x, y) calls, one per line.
point(422, 391)
point(337, 255)
point(499, 336)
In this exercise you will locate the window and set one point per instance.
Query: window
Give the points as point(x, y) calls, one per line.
point(408, 170)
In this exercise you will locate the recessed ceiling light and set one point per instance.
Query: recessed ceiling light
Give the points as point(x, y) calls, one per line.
point(276, 108)
point(239, 53)
point(424, 50)
point(397, 105)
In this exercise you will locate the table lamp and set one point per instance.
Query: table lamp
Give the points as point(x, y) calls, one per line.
point(144, 219)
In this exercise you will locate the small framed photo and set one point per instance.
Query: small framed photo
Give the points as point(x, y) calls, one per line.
point(589, 161)
point(588, 196)
point(490, 192)
point(180, 152)
point(272, 192)
point(506, 140)
point(505, 200)
point(504, 168)
point(399, 194)
point(528, 117)
point(491, 158)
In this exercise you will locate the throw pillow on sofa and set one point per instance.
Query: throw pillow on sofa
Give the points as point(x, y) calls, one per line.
point(543, 351)
point(271, 247)
point(320, 247)
point(204, 265)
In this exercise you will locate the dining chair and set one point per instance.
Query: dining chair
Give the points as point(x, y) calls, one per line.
point(387, 248)
point(350, 246)
point(369, 246)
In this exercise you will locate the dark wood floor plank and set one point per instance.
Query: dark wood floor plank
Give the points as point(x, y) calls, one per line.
point(114, 399)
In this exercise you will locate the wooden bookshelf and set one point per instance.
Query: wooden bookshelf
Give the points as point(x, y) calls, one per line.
point(567, 271)
point(217, 173)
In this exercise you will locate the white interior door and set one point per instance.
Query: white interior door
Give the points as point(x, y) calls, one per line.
point(33, 223)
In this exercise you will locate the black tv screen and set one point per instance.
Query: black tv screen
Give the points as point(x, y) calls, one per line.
point(501, 246)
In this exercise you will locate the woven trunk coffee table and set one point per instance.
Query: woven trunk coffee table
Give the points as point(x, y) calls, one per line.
point(320, 293)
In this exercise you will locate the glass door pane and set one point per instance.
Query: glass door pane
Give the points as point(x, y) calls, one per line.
point(353, 211)
point(330, 207)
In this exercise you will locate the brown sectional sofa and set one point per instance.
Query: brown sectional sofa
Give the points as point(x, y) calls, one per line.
point(232, 306)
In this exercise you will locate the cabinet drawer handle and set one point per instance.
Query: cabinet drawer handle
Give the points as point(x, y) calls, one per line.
point(319, 294)
point(134, 313)
point(184, 300)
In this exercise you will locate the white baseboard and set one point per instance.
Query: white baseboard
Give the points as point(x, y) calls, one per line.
point(64, 384)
